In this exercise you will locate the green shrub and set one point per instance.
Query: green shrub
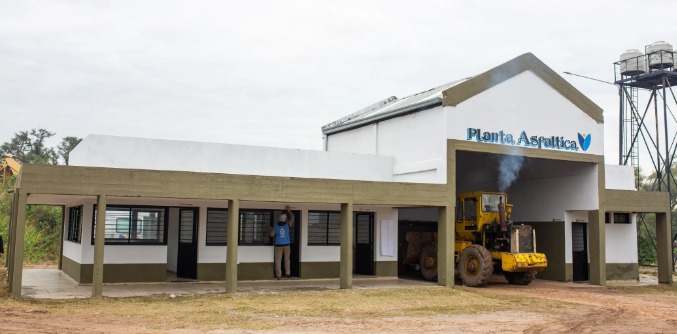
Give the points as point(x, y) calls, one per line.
point(43, 229)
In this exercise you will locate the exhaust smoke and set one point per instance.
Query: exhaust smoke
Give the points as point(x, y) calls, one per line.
point(508, 169)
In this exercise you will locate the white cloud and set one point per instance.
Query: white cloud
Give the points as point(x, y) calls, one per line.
point(272, 72)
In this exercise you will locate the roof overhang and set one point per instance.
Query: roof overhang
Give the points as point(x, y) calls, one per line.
point(416, 107)
point(94, 181)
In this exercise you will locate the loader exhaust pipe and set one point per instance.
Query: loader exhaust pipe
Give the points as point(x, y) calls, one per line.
point(501, 214)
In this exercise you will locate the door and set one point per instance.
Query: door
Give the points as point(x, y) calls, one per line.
point(363, 251)
point(295, 233)
point(579, 248)
point(186, 266)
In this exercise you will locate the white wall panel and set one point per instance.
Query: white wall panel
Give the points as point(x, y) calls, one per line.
point(361, 140)
point(619, 177)
point(72, 251)
point(545, 199)
point(621, 242)
point(155, 154)
point(524, 103)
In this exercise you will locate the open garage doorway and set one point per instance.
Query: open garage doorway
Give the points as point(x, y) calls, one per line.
point(417, 231)
point(541, 191)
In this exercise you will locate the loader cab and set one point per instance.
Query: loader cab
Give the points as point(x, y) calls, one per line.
point(475, 209)
point(467, 212)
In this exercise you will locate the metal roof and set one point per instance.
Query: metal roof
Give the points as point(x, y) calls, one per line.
point(390, 107)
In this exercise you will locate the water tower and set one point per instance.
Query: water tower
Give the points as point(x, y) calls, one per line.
point(647, 121)
point(647, 101)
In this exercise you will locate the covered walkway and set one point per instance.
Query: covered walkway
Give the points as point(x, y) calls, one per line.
point(54, 284)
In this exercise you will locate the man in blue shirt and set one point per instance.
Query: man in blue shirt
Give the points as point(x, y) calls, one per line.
point(282, 239)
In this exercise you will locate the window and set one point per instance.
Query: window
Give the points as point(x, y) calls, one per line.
point(324, 228)
point(621, 218)
point(470, 209)
point(74, 224)
point(217, 227)
point(617, 218)
point(255, 227)
point(490, 202)
point(134, 225)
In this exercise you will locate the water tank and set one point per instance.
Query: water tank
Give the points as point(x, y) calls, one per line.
point(660, 55)
point(632, 62)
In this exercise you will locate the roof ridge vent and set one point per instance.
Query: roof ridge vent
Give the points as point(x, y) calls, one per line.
point(367, 109)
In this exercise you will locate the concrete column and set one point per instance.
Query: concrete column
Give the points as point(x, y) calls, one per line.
point(664, 252)
point(18, 243)
point(11, 237)
point(61, 236)
point(596, 231)
point(446, 230)
point(346, 246)
point(231, 257)
point(99, 242)
point(445, 246)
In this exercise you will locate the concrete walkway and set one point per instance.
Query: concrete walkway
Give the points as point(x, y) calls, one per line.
point(54, 284)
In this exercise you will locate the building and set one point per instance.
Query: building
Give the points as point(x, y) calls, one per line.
point(392, 167)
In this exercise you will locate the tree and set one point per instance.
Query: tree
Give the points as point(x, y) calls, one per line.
point(29, 147)
point(646, 223)
point(66, 146)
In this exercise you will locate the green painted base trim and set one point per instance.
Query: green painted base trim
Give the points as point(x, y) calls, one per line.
point(255, 271)
point(385, 268)
point(263, 271)
point(245, 271)
point(211, 272)
point(116, 273)
point(622, 271)
point(127, 273)
point(320, 269)
point(70, 268)
point(569, 272)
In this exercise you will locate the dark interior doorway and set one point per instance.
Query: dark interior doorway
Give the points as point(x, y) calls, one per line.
point(363, 249)
point(186, 266)
point(413, 237)
point(579, 248)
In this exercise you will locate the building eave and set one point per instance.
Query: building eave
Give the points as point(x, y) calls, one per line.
point(416, 107)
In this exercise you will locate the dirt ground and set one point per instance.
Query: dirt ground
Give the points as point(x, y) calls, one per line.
point(542, 307)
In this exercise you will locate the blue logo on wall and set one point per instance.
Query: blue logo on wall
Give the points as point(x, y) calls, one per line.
point(584, 140)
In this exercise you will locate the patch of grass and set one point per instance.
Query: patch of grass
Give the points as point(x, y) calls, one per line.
point(650, 289)
point(4, 287)
point(263, 311)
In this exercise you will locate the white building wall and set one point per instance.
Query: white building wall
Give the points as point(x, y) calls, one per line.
point(117, 254)
point(361, 140)
point(524, 103)
point(71, 250)
point(264, 254)
point(155, 154)
point(619, 177)
point(416, 142)
point(621, 242)
point(120, 254)
point(545, 199)
point(621, 239)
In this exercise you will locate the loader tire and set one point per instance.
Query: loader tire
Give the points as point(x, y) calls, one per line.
point(429, 263)
point(476, 266)
point(523, 278)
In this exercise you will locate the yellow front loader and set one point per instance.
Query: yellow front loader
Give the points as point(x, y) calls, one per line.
point(486, 238)
point(9, 167)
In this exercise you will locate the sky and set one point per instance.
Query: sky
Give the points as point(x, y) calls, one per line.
point(271, 73)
